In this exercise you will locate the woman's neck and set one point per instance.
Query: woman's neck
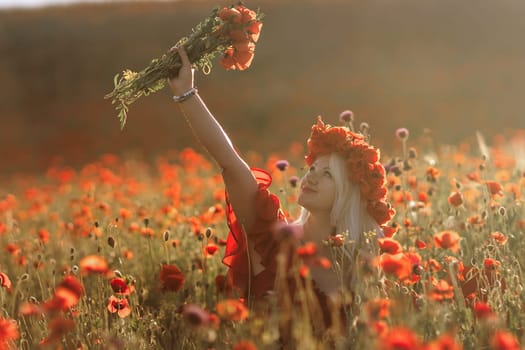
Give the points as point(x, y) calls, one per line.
point(317, 228)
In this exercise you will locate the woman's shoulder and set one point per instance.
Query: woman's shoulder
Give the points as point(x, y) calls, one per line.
point(263, 177)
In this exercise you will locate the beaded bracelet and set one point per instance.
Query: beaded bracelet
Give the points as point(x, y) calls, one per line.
point(185, 95)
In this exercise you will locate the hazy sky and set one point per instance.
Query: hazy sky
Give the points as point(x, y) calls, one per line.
point(35, 3)
point(39, 3)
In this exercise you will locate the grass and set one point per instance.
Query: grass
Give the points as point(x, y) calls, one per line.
point(69, 232)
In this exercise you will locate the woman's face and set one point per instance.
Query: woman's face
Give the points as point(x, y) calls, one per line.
point(318, 187)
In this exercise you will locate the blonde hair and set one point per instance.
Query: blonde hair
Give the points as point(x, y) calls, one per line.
point(349, 212)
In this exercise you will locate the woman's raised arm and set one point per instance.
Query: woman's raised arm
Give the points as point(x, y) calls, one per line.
point(238, 179)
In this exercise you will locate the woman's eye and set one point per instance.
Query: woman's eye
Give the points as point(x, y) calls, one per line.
point(312, 168)
point(327, 174)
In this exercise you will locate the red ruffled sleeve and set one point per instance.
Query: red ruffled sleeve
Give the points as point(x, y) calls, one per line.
point(268, 213)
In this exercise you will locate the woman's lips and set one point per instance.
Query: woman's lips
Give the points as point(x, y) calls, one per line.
point(308, 189)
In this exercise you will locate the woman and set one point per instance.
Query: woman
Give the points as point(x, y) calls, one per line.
point(343, 191)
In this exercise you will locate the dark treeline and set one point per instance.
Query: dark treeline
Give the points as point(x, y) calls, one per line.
point(452, 67)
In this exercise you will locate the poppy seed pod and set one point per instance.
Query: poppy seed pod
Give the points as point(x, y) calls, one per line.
point(364, 127)
point(293, 181)
point(412, 153)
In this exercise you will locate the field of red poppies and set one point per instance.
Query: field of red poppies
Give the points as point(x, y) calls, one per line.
point(104, 247)
point(122, 253)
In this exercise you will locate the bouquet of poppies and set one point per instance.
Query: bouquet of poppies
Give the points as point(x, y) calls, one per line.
point(230, 31)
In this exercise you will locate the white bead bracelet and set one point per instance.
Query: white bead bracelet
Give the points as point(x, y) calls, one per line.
point(185, 95)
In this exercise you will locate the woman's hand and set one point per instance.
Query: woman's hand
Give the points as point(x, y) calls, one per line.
point(183, 81)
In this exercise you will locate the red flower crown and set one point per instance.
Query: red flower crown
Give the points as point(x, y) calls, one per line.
point(362, 161)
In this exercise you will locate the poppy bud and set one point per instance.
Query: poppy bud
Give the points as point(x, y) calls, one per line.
point(282, 164)
point(293, 181)
point(363, 127)
point(412, 153)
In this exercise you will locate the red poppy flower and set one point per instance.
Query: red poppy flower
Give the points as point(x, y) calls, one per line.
point(93, 264)
point(12, 249)
point(254, 30)
point(124, 213)
point(447, 240)
point(304, 271)
point(400, 338)
point(433, 264)
point(482, 310)
point(245, 345)
point(8, 332)
point(134, 227)
point(119, 305)
point(494, 188)
point(380, 211)
point(67, 295)
point(380, 327)
point(503, 340)
point(5, 282)
point(389, 231)
point(210, 249)
point(337, 240)
point(441, 290)
point(432, 174)
point(230, 14)
point(389, 245)
point(127, 254)
point(243, 59)
point(29, 309)
point(232, 310)
point(58, 327)
point(323, 262)
point(147, 232)
point(171, 278)
point(491, 264)
point(398, 265)
point(244, 46)
point(455, 199)
point(247, 15)
point(309, 249)
point(223, 284)
point(121, 286)
point(499, 237)
point(378, 309)
point(43, 235)
point(420, 244)
point(443, 342)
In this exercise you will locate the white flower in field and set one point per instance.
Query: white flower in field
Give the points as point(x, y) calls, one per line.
point(430, 159)
point(450, 222)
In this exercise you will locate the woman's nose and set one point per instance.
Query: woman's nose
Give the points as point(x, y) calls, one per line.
point(312, 177)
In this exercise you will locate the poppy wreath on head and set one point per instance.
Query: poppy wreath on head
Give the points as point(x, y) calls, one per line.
point(362, 160)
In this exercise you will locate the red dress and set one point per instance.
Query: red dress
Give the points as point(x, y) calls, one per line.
point(260, 234)
point(268, 213)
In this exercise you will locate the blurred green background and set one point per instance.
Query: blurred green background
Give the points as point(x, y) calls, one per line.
point(449, 66)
